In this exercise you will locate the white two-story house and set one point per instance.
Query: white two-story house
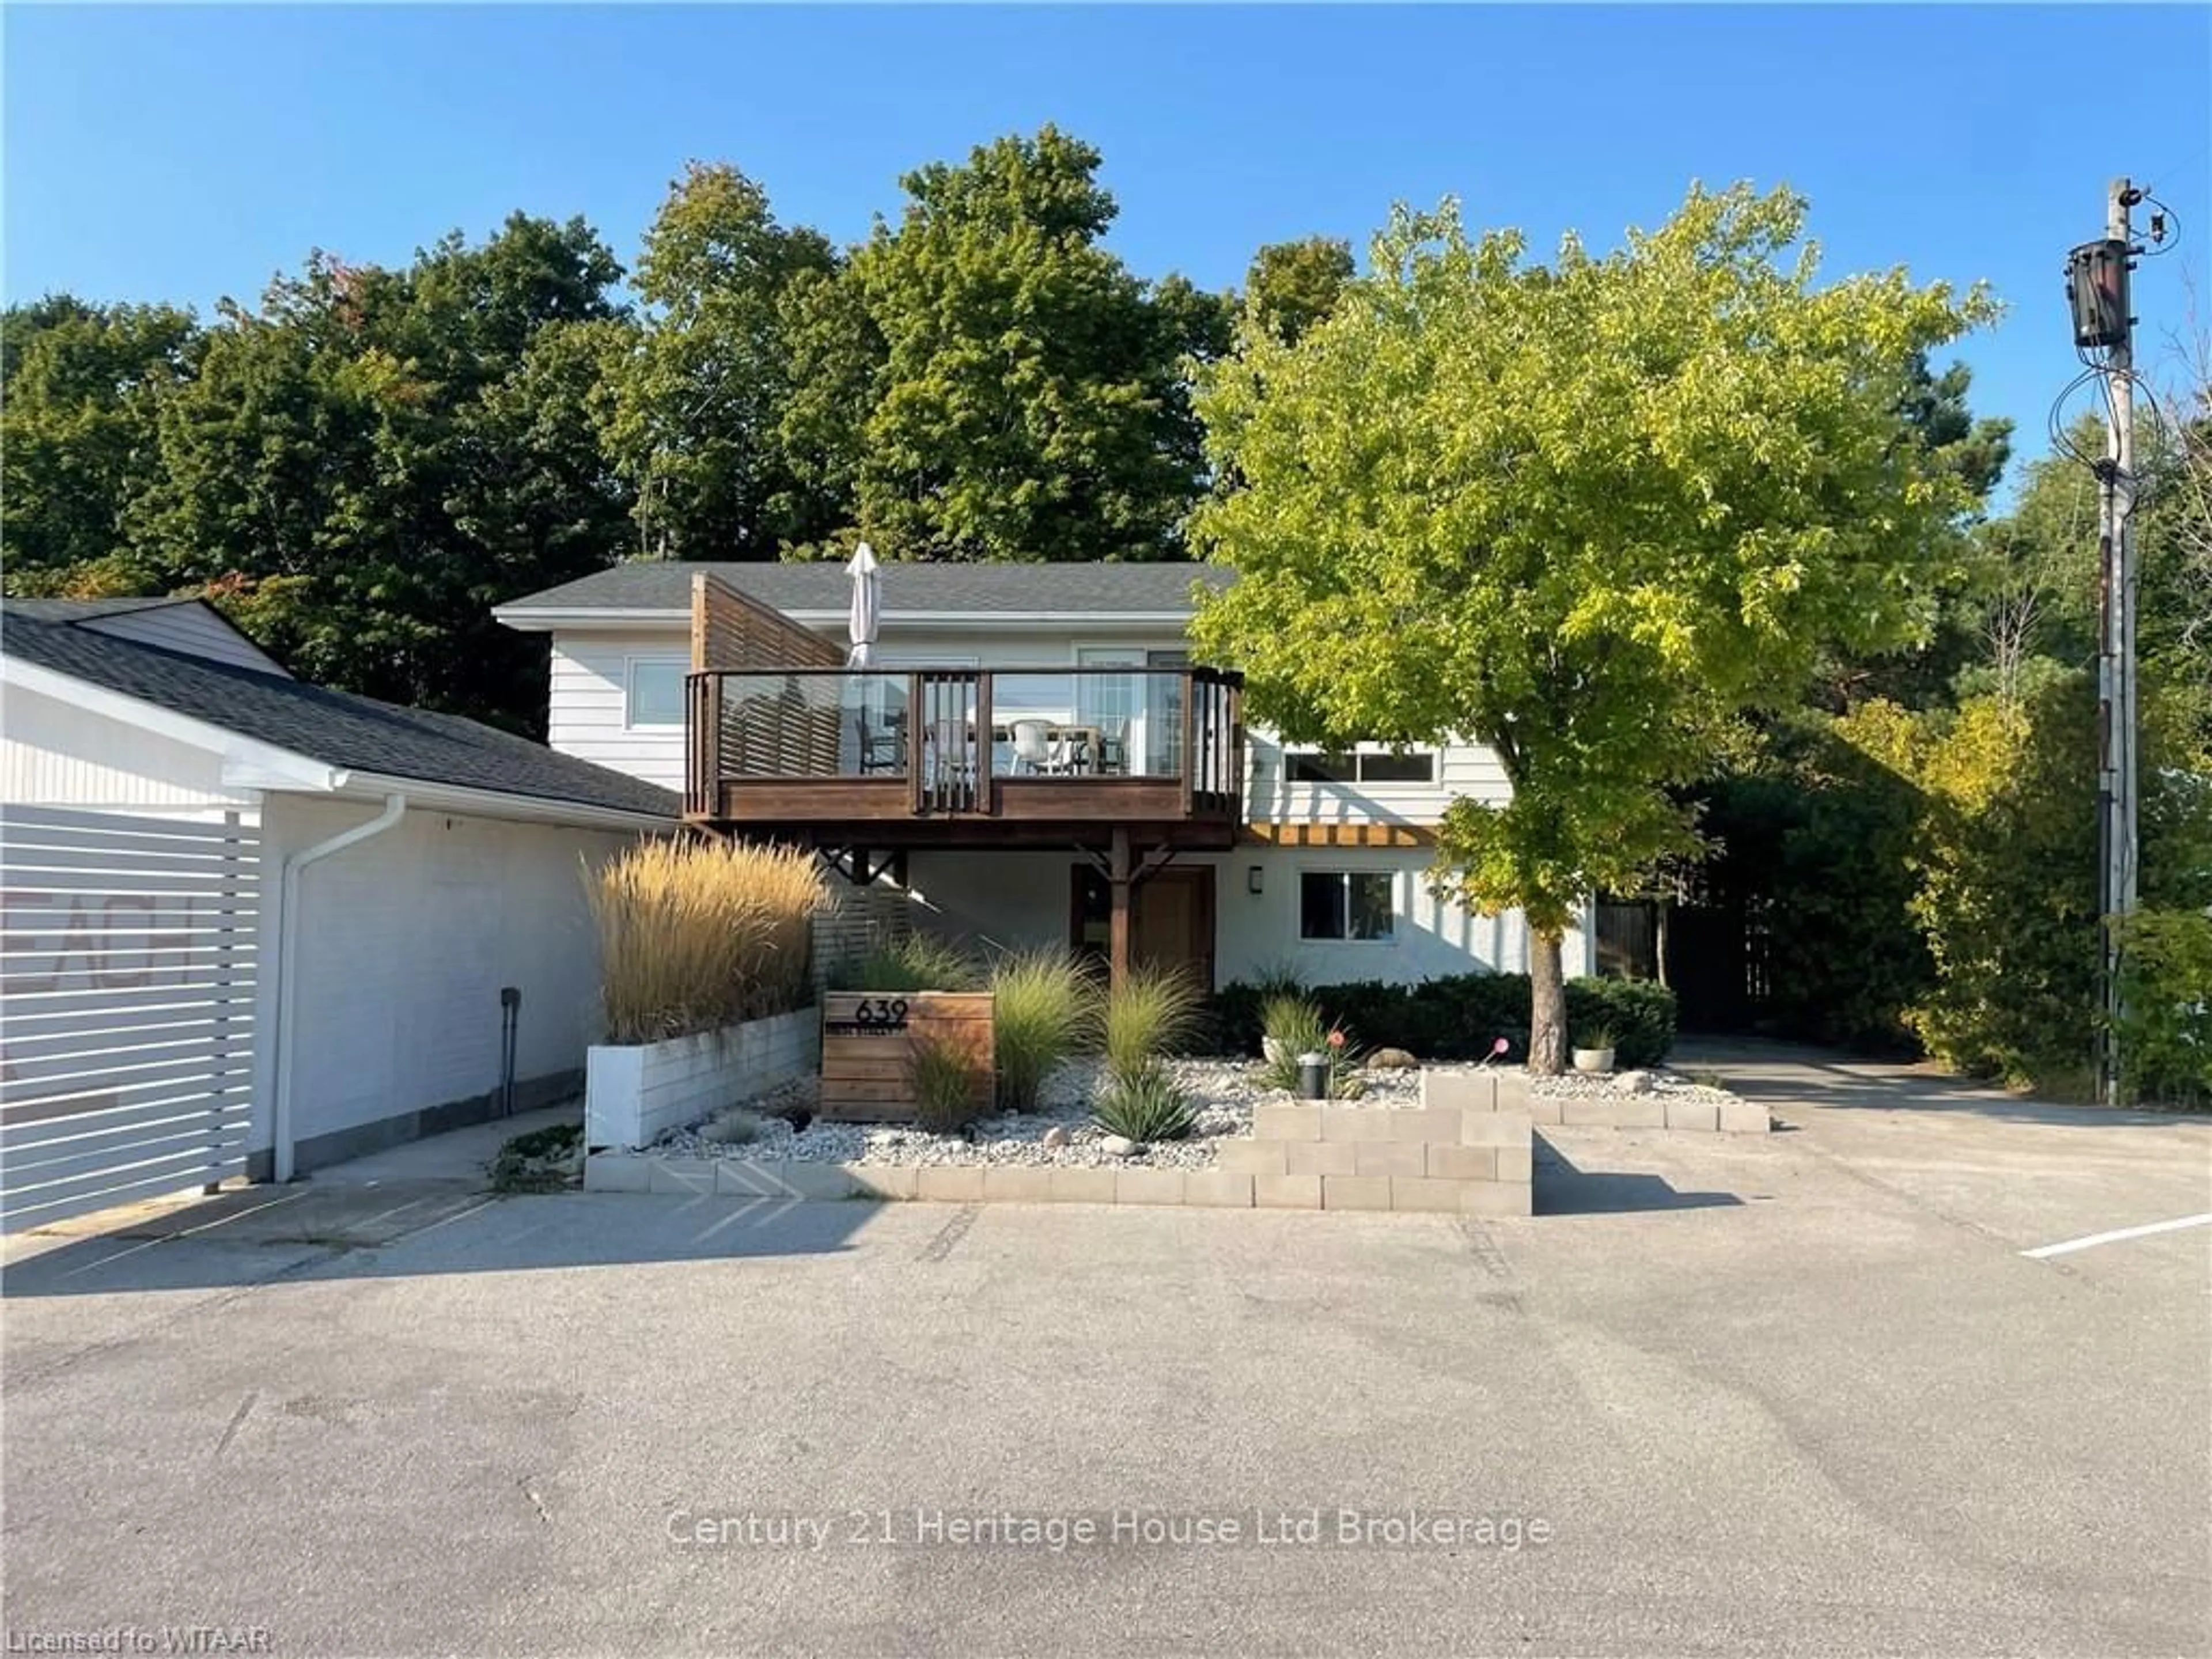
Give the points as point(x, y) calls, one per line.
point(1031, 754)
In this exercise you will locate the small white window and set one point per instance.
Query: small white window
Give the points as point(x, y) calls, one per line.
point(1350, 904)
point(656, 691)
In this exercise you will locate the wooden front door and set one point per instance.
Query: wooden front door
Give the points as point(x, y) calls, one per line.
point(1171, 921)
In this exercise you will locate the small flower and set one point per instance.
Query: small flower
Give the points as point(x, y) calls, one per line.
point(1336, 1039)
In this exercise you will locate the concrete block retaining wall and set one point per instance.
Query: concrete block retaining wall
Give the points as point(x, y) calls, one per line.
point(635, 1093)
point(1480, 1088)
point(1467, 1162)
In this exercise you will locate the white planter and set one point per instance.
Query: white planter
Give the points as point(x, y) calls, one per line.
point(635, 1093)
point(1594, 1060)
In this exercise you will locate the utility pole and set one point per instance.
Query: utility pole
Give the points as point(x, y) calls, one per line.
point(2115, 659)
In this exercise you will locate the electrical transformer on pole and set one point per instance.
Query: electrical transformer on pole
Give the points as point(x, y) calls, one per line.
point(2098, 289)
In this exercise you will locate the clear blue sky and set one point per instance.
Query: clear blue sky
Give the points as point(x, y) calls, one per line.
point(185, 153)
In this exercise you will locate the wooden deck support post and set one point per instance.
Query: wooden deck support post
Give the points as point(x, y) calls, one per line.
point(1118, 881)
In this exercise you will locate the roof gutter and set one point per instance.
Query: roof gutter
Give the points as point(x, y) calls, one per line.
point(288, 978)
point(498, 804)
point(547, 619)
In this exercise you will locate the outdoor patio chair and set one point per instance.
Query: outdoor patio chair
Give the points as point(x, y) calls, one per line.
point(1113, 756)
point(1035, 750)
point(883, 746)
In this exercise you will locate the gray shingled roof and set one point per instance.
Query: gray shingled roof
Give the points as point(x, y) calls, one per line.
point(335, 727)
point(64, 610)
point(1077, 589)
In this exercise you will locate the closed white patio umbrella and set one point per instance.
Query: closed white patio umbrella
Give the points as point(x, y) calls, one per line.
point(860, 620)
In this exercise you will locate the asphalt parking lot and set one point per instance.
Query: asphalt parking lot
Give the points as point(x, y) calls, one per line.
point(1797, 1394)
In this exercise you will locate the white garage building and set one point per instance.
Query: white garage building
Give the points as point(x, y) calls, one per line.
point(253, 925)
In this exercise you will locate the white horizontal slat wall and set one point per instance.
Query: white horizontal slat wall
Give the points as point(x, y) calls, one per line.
point(586, 710)
point(128, 949)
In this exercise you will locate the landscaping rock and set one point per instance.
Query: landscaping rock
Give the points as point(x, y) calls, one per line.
point(1634, 1082)
point(1118, 1146)
point(1392, 1060)
point(1056, 1136)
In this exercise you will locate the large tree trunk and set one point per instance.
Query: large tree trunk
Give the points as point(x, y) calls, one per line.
point(1548, 1015)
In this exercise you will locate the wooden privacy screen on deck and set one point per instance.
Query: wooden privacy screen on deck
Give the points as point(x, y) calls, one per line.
point(729, 630)
point(867, 1038)
point(786, 731)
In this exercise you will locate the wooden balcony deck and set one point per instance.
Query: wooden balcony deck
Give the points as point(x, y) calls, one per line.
point(1047, 756)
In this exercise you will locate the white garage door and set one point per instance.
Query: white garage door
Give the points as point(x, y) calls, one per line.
point(127, 951)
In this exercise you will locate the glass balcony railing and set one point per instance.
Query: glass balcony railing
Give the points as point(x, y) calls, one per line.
point(951, 733)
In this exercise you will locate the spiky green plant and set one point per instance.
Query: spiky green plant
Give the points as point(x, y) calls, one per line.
point(1045, 1008)
point(1145, 1104)
point(948, 1090)
point(1299, 1028)
point(916, 963)
point(1152, 1011)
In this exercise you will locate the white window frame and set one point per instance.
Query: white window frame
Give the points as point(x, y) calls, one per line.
point(1345, 873)
point(652, 659)
point(1359, 758)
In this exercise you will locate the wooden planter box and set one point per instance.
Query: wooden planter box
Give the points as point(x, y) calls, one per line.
point(868, 1037)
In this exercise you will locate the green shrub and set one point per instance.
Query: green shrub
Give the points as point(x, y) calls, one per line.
point(1150, 1013)
point(695, 935)
point(916, 963)
point(1458, 1017)
point(540, 1160)
point(947, 1085)
point(1638, 1013)
point(2166, 1036)
point(1819, 835)
point(1144, 1105)
point(1045, 1009)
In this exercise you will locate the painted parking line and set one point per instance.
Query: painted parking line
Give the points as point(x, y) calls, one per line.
point(2125, 1233)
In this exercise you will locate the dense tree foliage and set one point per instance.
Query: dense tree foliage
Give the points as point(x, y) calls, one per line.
point(1588, 512)
point(80, 387)
point(1030, 402)
point(1294, 285)
point(700, 432)
point(1927, 867)
point(359, 465)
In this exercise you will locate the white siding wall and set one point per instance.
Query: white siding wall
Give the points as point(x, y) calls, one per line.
point(1022, 899)
point(1467, 769)
point(57, 754)
point(404, 943)
point(193, 630)
point(587, 703)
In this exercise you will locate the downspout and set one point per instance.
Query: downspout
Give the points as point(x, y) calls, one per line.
point(288, 978)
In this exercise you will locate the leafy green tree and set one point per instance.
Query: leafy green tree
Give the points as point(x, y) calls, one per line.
point(836, 360)
point(1294, 285)
point(1030, 402)
point(77, 432)
point(1970, 586)
point(368, 461)
point(702, 404)
point(2003, 859)
point(1586, 513)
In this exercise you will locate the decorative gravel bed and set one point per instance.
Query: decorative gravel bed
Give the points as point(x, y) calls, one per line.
point(1062, 1132)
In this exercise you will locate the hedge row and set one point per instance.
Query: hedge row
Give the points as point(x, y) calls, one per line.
point(1460, 1017)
